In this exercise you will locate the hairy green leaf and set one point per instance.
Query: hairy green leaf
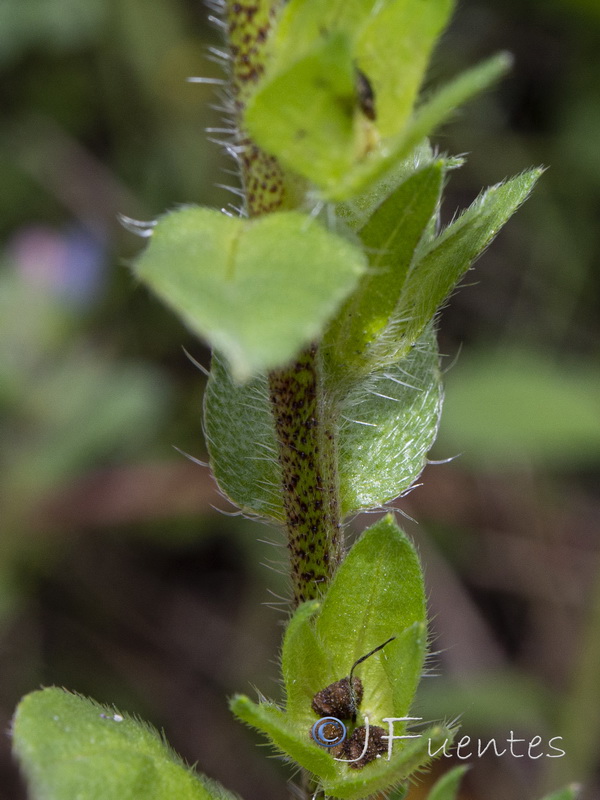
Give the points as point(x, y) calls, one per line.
point(357, 210)
point(235, 282)
point(305, 663)
point(308, 666)
point(444, 261)
point(72, 748)
point(240, 435)
point(423, 122)
point(389, 421)
point(390, 237)
point(376, 593)
point(407, 758)
point(287, 738)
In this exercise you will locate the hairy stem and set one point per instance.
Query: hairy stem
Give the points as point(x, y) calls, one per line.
point(302, 418)
point(307, 454)
point(248, 27)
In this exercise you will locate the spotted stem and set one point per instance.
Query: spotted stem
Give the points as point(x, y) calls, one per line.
point(303, 419)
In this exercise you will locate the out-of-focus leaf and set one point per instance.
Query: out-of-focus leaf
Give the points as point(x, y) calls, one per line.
point(303, 23)
point(422, 123)
point(514, 406)
point(568, 793)
point(446, 788)
point(54, 25)
point(502, 700)
point(393, 50)
point(79, 409)
point(306, 114)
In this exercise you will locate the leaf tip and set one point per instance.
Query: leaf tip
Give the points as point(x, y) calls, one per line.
point(503, 61)
point(239, 702)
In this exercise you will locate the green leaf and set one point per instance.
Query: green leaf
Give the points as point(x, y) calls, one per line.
point(444, 261)
point(391, 236)
point(393, 49)
point(446, 788)
point(389, 422)
point(72, 748)
point(308, 666)
point(568, 793)
point(357, 210)
point(303, 23)
point(243, 284)
point(305, 663)
point(309, 110)
point(306, 114)
point(444, 102)
point(269, 719)
point(240, 435)
point(382, 774)
point(376, 593)
point(423, 122)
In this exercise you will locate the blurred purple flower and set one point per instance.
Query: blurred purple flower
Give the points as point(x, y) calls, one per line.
point(71, 264)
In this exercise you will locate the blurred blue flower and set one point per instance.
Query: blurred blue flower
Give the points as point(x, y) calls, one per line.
point(70, 264)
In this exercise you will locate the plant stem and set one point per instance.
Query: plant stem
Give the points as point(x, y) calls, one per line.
point(248, 27)
point(308, 458)
point(304, 428)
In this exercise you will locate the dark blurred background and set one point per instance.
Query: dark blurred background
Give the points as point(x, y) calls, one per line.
point(118, 577)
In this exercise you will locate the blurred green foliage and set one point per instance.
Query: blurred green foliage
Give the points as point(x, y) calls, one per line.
point(514, 406)
point(67, 408)
point(53, 27)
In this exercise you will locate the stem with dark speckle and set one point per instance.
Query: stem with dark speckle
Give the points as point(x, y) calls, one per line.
point(303, 424)
point(307, 454)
